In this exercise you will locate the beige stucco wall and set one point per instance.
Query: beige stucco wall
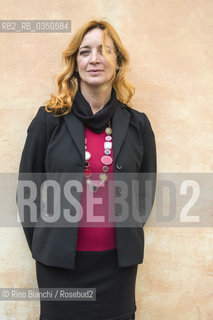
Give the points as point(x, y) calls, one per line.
point(170, 46)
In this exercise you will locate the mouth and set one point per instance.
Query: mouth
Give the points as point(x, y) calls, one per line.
point(95, 71)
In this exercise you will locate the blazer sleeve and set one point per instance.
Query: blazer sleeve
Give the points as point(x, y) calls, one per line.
point(32, 169)
point(148, 171)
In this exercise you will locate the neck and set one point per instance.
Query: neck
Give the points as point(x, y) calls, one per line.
point(97, 97)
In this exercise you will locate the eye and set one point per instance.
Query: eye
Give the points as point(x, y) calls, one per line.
point(84, 52)
point(108, 50)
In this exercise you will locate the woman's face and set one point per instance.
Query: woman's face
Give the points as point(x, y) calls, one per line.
point(93, 68)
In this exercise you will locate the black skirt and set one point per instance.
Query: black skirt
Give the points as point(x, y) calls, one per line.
point(115, 288)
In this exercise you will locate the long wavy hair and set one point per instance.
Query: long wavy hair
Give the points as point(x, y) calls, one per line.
point(68, 81)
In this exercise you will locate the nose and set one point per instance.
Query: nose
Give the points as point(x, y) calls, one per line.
point(94, 57)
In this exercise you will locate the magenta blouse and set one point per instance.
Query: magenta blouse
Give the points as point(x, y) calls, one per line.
point(98, 234)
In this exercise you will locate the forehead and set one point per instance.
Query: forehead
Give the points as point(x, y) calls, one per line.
point(94, 38)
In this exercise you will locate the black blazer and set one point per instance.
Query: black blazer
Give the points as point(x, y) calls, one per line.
point(56, 144)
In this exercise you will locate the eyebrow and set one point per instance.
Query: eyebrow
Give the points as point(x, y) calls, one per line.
point(90, 47)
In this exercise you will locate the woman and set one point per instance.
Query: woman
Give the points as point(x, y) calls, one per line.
point(89, 128)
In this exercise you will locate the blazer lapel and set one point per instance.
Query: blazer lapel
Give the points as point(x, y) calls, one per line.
point(120, 123)
point(76, 129)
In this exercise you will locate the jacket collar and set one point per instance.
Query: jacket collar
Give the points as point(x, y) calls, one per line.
point(120, 123)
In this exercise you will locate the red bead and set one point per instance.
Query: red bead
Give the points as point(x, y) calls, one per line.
point(87, 173)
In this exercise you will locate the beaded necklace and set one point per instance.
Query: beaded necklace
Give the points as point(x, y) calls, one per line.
point(106, 160)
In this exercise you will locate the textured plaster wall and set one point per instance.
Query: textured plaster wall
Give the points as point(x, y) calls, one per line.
point(170, 46)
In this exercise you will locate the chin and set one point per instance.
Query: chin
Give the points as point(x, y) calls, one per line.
point(95, 82)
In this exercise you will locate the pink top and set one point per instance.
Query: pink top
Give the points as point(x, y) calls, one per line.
point(101, 236)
